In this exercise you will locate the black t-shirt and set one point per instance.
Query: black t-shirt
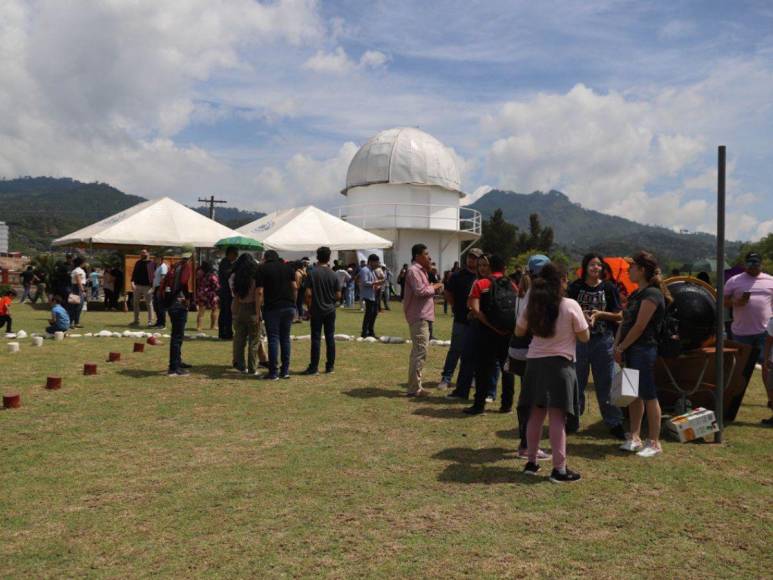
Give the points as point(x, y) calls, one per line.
point(224, 271)
point(604, 296)
point(275, 278)
point(459, 285)
point(140, 274)
point(650, 335)
point(324, 285)
point(27, 276)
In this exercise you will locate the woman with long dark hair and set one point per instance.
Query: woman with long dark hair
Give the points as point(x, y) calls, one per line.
point(550, 381)
point(246, 313)
point(637, 346)
point(600, 303)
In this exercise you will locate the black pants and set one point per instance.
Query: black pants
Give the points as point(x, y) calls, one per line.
point(178, 315)
point(318, 323)
point(158, 308)
point(491, 349)
point(8, 321)
point(225, 328)
point(369, 319)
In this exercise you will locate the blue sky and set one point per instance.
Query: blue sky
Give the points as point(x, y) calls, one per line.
point(619, 104)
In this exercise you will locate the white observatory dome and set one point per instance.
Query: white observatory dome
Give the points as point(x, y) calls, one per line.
point(403, 155)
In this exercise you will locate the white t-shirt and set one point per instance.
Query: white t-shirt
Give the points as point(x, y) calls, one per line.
point(159, 274)
point(78, 276)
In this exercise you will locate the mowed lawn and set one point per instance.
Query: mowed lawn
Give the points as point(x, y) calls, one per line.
point(131, 473)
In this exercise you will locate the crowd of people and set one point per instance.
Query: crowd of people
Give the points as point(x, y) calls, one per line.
point(531, 324)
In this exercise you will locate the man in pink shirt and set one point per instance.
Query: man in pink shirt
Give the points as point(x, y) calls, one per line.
point(419, 308)
point(750, 295)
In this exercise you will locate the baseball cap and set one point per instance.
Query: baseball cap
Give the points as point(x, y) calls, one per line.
point(753, 258)
point(477, 252)
point(537, 262)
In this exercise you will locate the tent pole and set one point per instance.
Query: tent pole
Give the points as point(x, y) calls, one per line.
point(719, 392)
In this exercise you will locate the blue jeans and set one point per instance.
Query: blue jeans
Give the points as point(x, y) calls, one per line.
point(74, 310)
point(467, 361)
point(458, 331)
point(178, 315)
point(755, 340)
point(318, 323)
point(642, 358)
point(278, 324)
point(349, 296)
point(597, 355)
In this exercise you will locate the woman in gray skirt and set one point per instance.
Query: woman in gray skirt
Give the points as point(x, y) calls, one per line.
point(550, 382)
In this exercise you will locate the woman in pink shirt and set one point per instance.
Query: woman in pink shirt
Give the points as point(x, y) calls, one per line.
point(550, 381)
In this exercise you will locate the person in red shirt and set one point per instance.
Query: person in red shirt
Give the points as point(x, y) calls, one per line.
point(177, 299)
point(493, 336)
point(5, 310)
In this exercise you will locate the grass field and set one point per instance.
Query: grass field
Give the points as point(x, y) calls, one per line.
point(130, 474)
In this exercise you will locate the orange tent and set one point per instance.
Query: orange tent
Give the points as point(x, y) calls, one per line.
point(619, 269)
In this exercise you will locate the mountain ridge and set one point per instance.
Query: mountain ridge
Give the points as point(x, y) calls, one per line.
point(579, 230)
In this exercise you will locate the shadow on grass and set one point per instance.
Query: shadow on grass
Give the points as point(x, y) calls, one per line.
point(591, 450)
point(374, 393)
point(470, 466)
point(209, 371)
point(446, 412)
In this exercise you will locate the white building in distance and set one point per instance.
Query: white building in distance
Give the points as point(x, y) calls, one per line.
point(404, 185)
point(4, 234)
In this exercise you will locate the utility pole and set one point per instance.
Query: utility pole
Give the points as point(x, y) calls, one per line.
point(211, 203)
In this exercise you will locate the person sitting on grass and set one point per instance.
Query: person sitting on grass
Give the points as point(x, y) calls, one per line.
point(60, 320)
point(550, 382)
point(5, 309)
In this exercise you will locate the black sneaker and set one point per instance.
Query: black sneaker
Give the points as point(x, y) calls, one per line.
point(568, 477)
point(473, 410)
point(767, 422)
point(505, 409)
point(531, 468)
point(270, 377)
point(330, 370)
point(618, 432)
point(457, 396)
point(264, 365)
point(309, 371)
point(285, 375)
point(184, 365)
point(177, 373)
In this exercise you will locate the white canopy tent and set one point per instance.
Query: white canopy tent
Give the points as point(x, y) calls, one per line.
point(157, 223)
point(304, 229)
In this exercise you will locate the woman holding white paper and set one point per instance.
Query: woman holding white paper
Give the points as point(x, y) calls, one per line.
point(637, 345)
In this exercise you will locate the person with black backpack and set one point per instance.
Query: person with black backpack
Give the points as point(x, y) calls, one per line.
point(636, 346)
point(492, 304)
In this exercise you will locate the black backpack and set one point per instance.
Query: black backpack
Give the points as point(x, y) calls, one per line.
point(499, 304)
point(669, 343)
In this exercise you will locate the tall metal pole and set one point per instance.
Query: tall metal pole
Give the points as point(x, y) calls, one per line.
point(719, 392)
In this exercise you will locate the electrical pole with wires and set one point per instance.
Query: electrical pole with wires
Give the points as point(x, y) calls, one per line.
point(211, 203)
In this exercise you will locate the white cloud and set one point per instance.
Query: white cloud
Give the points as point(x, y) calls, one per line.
point(596, 147)
point(336, 62)
point(676, 29)
point(373, 59)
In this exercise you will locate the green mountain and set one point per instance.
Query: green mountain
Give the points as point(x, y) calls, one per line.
point(231, 216)
point(41, 209)
point(580, 230)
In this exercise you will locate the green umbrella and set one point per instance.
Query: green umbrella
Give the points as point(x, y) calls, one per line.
point(240, 243)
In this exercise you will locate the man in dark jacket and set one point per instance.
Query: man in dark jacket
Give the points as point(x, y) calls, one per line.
point(224, 322)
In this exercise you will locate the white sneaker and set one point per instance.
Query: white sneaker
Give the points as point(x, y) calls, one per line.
point(631, 445)
point(489, 399)
point(443, 386)
point(651, 449)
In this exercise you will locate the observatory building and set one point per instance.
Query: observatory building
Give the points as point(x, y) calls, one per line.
point(404, 185)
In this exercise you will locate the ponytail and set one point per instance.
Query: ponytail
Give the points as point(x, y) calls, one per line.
point(657, 280)
point(652, 273)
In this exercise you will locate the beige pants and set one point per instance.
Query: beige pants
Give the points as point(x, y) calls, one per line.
point(420, 338)
point(143, 293)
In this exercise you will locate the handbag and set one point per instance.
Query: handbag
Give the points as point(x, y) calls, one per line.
point(625, 386)
point(74, 299)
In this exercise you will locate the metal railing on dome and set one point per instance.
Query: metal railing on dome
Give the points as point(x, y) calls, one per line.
point(412, 215)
